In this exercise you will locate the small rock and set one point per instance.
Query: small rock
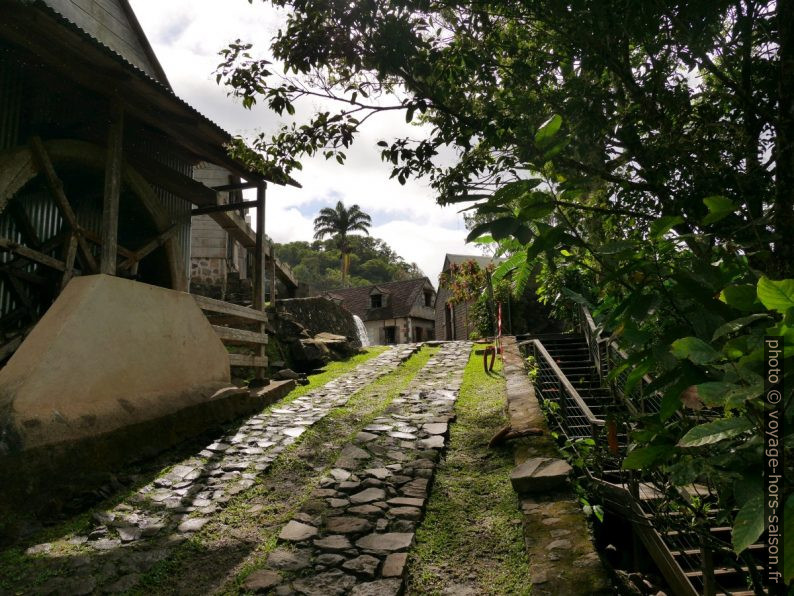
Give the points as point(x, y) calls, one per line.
point(436, 428)
point(129, 534)
point(406, 512)
point(330, 583)
point(561, 544)
point(540, 474)
point(194, 524)
point(406, 501)
point(333, 542)
point(340, 475)
point(433, 442)
point(329, 559)
point(368, 495)
point(296, 531)
point(365, 437)
point(391, 541)
point(365, 565)
point(382, 587)
point(347, 525)
point(394, 565)
point(289, 560)
point(261, 581)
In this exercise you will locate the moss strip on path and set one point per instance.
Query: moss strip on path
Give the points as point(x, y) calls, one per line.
point(470, 541)
point(218, 558)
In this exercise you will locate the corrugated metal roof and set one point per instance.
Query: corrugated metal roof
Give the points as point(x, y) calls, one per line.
point(158, 86)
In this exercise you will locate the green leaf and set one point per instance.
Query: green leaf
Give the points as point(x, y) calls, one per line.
point(741, 296)
point(646, 456)
point(776, 295)
point(547, 131)
point(536, 205)
point(661, 226)
point(719, 207)
point(749, 524)
point(737, 324)
point(715, 431)
point(487, 239)
point(513, 191)
point(507, 266)
point(695, 350)
point(727, 395)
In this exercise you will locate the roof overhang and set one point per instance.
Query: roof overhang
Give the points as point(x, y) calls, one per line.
point(76, 55)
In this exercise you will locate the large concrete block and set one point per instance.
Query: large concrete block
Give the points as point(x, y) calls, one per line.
point(109, 353)
point(540, 475)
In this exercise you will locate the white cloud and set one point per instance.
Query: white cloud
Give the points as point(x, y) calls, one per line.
point(187, 36)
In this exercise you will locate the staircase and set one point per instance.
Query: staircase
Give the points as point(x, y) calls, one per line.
point(582, 408)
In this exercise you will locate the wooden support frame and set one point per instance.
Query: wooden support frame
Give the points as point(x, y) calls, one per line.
point(224, 207)
point(56, 188)
point(32, 255)
point(110, 203)
point(259, 269)
point(236, 186)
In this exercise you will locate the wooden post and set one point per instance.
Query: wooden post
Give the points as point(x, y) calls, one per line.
point(110, 206)
point(259, 267)
point(272, 276)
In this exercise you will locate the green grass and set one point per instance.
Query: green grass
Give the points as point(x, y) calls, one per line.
point(471, 536)
point(280, 493)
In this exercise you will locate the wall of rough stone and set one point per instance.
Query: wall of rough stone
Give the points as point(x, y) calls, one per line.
point(319, 315)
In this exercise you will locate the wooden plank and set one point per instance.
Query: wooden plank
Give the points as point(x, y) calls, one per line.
point(33, 255)
point(224, 207)
point(172, 181)
point(71, 253)
point(248, 360)
point(56, 187)
point(259, 251)
point(273, 268)
point(110, 201)
point(235, 186)
point(32, 278)
point(97, 239)
point(227, 308)
point(240, 336)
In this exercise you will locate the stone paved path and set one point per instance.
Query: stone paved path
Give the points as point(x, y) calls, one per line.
point(353, 535)
point(142, 530)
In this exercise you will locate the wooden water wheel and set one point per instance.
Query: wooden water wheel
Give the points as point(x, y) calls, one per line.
point(51, 229)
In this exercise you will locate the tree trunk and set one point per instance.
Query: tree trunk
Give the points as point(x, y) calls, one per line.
point(783, 219)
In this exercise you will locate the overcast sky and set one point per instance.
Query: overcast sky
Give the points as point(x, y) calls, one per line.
point(188, 34)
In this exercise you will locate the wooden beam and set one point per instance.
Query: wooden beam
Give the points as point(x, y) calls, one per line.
point(23, 223)
point(240, 336)
point(148, 248)
point(56, 187)
point(32, 278)
point(226, 207)
point(110, 202)
point(71, 253)
point(259, 251)
point(227, 308)
point(236, 186)
point(272, 275)
point(248, 360)
point(172, 181)
point(31, 254)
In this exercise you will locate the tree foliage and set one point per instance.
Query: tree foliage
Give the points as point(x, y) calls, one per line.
point(372, 261)
point(338, 223)
point(641, 153)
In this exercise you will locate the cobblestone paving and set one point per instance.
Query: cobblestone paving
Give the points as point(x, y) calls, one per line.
point(353, 534)
point(129, 539)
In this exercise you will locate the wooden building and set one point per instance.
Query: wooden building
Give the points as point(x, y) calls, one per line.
point(98, 163)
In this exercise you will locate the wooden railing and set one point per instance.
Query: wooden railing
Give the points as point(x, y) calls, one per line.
point(237, 326)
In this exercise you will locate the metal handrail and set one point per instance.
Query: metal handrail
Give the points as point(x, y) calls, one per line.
point(565, 384)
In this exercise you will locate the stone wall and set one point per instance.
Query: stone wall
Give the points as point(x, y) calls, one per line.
point(319, 315)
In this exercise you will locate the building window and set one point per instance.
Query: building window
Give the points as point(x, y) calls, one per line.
point(428, 298)
point(376, 301)
point(390, 334)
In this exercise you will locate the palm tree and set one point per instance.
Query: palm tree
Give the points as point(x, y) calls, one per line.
point(338, 222)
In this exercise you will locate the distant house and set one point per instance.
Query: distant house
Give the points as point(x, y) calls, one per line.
point(452, 320)
point(393, 313)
